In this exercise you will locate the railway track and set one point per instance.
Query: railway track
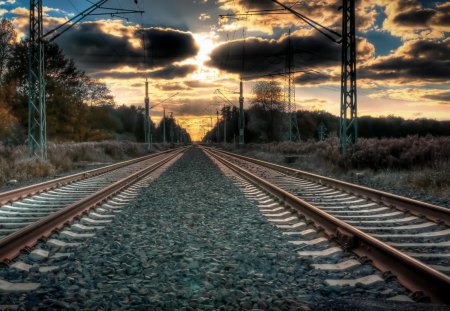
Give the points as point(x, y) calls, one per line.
point(32, 213)
point(402, 237)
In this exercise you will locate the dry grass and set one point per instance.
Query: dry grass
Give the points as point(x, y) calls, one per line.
point(429, 181)
point(416, 164)
point(16, 165)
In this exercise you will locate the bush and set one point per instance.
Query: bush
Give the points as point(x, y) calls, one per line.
point(372, 153)
point(398, 153)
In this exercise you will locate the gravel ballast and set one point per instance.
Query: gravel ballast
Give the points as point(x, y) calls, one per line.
point(189, 241)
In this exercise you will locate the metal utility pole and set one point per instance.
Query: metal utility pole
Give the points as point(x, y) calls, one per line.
point(217, 127)
point(322, 131)
point(37, 125)
point(171, 128)
point(147, 124)
point(241, 114)
point(225, 114)
point(294, 132)
point(225, 128)
point(164, 126)
point(348, 127)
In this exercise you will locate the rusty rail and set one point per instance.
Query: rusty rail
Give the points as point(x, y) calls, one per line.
point(27, 237)
point(413, 274)
point(23, 192)
point(430, 211)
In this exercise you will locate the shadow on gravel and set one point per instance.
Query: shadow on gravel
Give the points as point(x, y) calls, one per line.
point(374, 305)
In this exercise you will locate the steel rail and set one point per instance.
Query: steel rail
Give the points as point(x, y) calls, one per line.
point(413, 274)
point(23, 192)
point(27, 237)
point(430, 211)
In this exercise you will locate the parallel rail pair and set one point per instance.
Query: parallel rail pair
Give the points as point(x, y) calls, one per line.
point(412, 273)
point(28, 236)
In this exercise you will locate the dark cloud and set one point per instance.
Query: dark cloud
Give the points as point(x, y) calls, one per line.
point(403, 5)
point(167, 72)
point(409, 13)
point(118, 75)
point(93, 49)
point(171, 87)
point(199, 84)
point(442, 97)
point(415, 18)
point(430, 50)
point(313, 78)
point(167, 45)
point(263, 56)
point(257, 4)
point(418, 61)
point(172, 71)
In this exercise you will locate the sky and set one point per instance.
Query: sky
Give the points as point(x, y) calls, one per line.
point(187, 51)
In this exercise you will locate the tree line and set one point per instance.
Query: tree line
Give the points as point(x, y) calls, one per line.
point(79, 108)
point(267, 119)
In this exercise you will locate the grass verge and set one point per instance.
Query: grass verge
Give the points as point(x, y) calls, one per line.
point(15, 165)
point(413, 166)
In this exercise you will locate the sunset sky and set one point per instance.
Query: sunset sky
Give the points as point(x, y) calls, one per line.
point(403, 53)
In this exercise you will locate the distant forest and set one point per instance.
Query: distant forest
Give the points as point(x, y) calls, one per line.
point(78, 108)
point(266, 121)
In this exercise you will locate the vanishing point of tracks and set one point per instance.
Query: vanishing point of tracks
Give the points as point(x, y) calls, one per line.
point(32, 213)
point(405, 237)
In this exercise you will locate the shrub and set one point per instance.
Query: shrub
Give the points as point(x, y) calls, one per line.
point(372, 153)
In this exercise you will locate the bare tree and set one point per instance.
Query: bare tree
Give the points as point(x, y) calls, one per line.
point(268, 95)
point(266, 113)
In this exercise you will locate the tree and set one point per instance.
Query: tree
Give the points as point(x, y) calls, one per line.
point(97, 93)
point(77, 107)
point(268, 95)
point(8, 121)
point(7, 40)
point(267, 111)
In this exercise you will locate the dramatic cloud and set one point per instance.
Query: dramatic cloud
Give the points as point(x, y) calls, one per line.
point(21, 20)
point(313, 78)
point(171, 86)
point(200, 84)
point(268, 56)
point(408, 19)
point(325, 12)
point(442, 97)
point(169, 45)
point(416, 61)
point(263, 56)
point(173, 71)
point(121, 75)
point(419, 18)
point(100, 45)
